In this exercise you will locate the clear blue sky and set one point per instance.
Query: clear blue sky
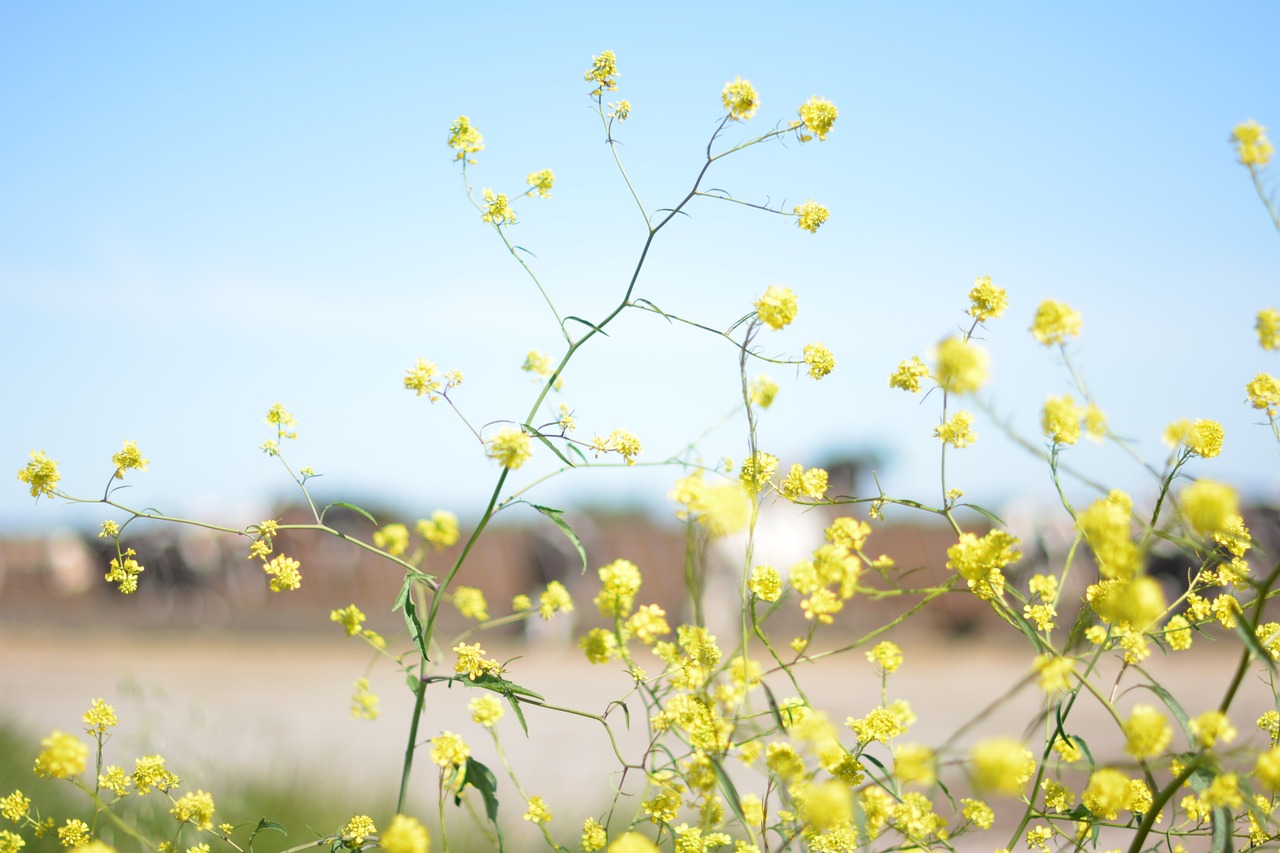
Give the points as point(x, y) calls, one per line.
point(212, 207)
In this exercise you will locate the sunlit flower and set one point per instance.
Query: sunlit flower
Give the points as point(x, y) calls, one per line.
point(740, 99)
point(541, 182)
point(464, 138)
point(1252, 146)
point(817, 115)
point(41, 474)
point(1055, 322)
point(811, 215)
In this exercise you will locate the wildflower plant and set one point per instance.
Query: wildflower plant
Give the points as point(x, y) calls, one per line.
point(727, 762)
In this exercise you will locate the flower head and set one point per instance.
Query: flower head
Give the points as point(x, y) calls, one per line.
point(357, 829)
point(464, 138)
point(41, 474)
point(811, 215)
point(960, 367)
point(404, 835)
point(820, 360)
point(1146, 732)
point(987, 302)
point(537, 811)
point(1001, 765)
point(817, 115)
point(740, 99)
point(958, 432)
point(1061, 419)
point(603, 70)
point(441, 530)
point(777, 307)
point(449, 750)
point(423, 378)
point(1252, 146)
point(1209, 506)
point(284, 573)
point(129, 458)
point(1055, 322)
point(1264, 393)
point(541, 182)
point(63, 756)
point(510, 446)
point(497, 209)
point(99, 718)
point(485, 710)
point(1268, 326)
point(196, 808)
point(908, 375)
point(762, 390)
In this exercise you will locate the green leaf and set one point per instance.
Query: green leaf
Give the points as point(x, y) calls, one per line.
point(482, 779)
point(990, 516)
point(351, 507)
point(729, 790)
point(585, 323)
point(655, 308)
point(263, 826)
point(1251, 642)
point(577, 451)
point(557, 518)
point(404, 601)
point(533, 432)
point(773, 707)
point(1221, 830)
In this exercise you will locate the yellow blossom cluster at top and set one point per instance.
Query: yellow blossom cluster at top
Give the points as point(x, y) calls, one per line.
point(603, 70)
point(778, 307)
point(129, 458)
point(740, 99)
point(41, 474)
point(1055, 322)
point(510, 446)
point(424, 379)
point(1268, 327)
point(811, 215)
point(721, 508)
point(1252, 146)
point(817, 115)
point(465, 138)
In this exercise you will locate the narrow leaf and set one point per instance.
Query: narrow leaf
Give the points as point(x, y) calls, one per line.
point(1251, 642)
point(730, 791)
point(533, 432)
point(351, 507)
point(585, 323)
point(1221, 830)
point(265, 825)
point(557, 518)
point(1172, 704)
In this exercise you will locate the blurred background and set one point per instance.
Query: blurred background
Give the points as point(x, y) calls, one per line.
point(212, 208)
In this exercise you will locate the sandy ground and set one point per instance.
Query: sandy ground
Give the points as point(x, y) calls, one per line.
point(218, 704)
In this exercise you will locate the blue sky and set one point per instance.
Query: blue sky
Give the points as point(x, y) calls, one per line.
point(210, 208)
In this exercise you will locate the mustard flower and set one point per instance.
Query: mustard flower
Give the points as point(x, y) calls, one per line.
point(1001, 765)
point(1135, 602)
point(537, 812)
point(554, 599)
point(887, 655)
point(63, 756)
point(633, 842)
point(497, 210)
point(1211, 727)
point(12, 842)
point(99, 718)
point(914, 763)
point(510, 446)
point(620, 580)
point(1043, 615)
point(979, 561)
point(621, 110)
point(15, 806)
point(762, 390)
point(603, 70)
point(908, 375)
point(960, 367)
point(472, 661)
point(441, 531)
point(765, 583)
point(73, 833)
point(357, 829)
point(594, 836)
point(957, 431)
point(1107, 793)
point(599, 645)
point(537, 363)
point(1055, 322)
point(802, 483)
point(1146, 732)
point(1057, 797)
point(41, 474)
point(978, 813)
point(1105, 525)
point(777, 307)
point(541, 182)
point(1055, 672)
point(619, 441)
point(404, 835)
point(1061, 419)
point(485, 710)
point(1095, 422)
point(449, 750)
point(350, 617)
point(521, 603)
point(93, 846)
point(1202, 437)
point(284, 573)
point(1252, 146)
point(364, 702)
point(1209, 506)
point(128, 458)
point(1268, 326)
point(392, 538)
point(817, 115)
point(1223, 792)
point(149, 772)
point(648, 623)
point(1267, 768)
point(740, 99)
point(124, 570)
point(422, 379)
point(464, 138)
point(1177, 633)
point(820, 360)
point(986, 301)
point(757, 471)
point(1264, 393)
point(811, 215)
point(196, 808)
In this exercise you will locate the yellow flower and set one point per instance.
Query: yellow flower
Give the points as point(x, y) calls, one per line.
point(817, 115)
point(1211, 727)
point(1055, 672)
point(957, 431)
point(509, 446)
point(960, 367)
point(63, 756)
point(99, 718)
point(1267, 768)
point(887, 655)
point(149, 772)
point(1264, 393)
point(1201, 437)
point(15, 806)
point(1146, 732)
point(129, 458)
point(633, 842)
point(1252, 146)
point(757, 471)
point(364, 702)
point(620, 581)
point(12, 842)
point(284, 573)
point(1209, 506)
point(472, 661)
point(393, 538)
point(554, 599)
point(599, 645)
point(621, 110)
point(404, 835)
point(820, 360)
point(73, 833)
point(914, 763)
point(740, 99)
point(765, 583)
point(449, 750)
point(593, 835)
point(777, 307)
point(979, 813)
point(1055, 322)
point(801, 483)
point(464, 138)
point(497, 209)
point(422, 379)
point(357, 829)
point(541, 182)
point(485, 710)
point(811, 215)
point(1268, 326)
point(987, 302)
point(1001, 765)
point(196, 808)
point(441, 531)
point(1061, 419)
point(908, 375)
point(619, 441)
point(603, 70)
point(537, 812)
point(350, 617)
point(41, 474)
point(1177, 633)
point(762, 391)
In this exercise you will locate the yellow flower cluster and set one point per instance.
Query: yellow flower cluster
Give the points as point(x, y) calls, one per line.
point(392, 538)
point(1146, 732)
point(620, 441)
point(980, 561)
point(485, 710)
point(620, 581)
point(1210, 507)
point(510, 446)
point(404, 835)
point(762, 390)
point(986, 301)
point(423, 379)
point(129, 458)
point(1264, 393)
point(149, 772)
point(124, 570)
point(1105, 524)
point(554, 599)
point(541, 182)
point(817, 115)
point(1109, 791)
point(958, 431)
point(283, 572)
point(195, 808)
point(41, 474)
point(497, 209)
point(1252, 146)
point(1200, 437)
point(1001, 765)
point(470, 602)
point(440, 531)
point(99, 718)
point(63, 756)
point(908, 375)
point(449, 750)
point(537, 812)
point(778, 306)
point(740, 99)
point(464, 138)
point(757, 471)
point(804, 483)
point(603, 70)
point(820, 360)
point(364, 702)
point(1268, 327)
point(887, 655)
point(960, 367)
point(1055, 322)
point(811, 215)
point(721, 508)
